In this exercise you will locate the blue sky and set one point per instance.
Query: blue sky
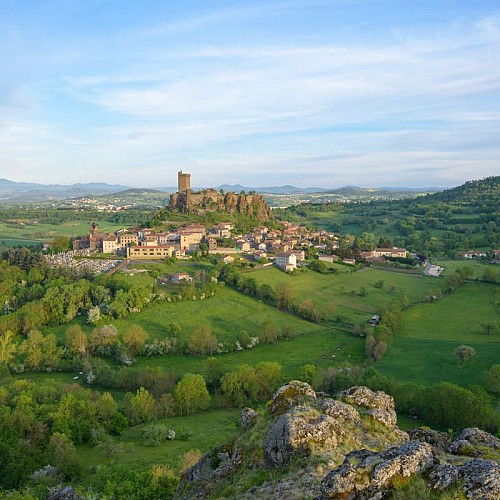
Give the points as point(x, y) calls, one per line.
point(310, 93)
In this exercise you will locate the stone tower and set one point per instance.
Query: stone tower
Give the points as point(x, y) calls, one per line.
point(183, 182)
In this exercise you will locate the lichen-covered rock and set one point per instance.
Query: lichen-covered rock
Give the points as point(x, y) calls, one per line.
point(371, 473)
point(443, 476)
point(463, 447)
point(385, 417)
point(474, 442)
point(475, 435)
point(480, 478)
point(340, 410)
point(292, 394)
point(437, 439)
point(362, 396)
point(296, 433)
point(248, 417)
point(210, 468)
point(63, 493)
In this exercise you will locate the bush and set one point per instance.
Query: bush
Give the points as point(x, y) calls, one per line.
point(154, 435)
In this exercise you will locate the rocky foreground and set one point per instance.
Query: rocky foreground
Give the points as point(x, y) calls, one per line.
point(307, 446)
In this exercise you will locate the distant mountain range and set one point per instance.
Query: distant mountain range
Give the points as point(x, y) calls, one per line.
point(26, 191)
point(23, 192)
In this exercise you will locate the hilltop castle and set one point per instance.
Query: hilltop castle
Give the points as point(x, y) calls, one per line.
point(211, 200)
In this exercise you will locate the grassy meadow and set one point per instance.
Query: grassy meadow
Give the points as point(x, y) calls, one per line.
point(37, 231)
point(422, 351)
point(345, 289)
point(204, 431)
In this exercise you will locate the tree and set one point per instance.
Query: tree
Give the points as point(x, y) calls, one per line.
point(244, 338)
point(191, 394)
point(489, 327)
point(167, 405)
point(318, 265)
point(32, 348)
point(464, 353)
point(135, 338)
point(284, 295)
point(175, 328)
point(214, 372)
point(59, 244)
point(268, 332)
point(307, 373)
point(93, 315)
point(64, 457)
point(106, 408)
point(241, 386)
point(76, 341)
point(7, 347)
point(490, 275)
point(141, 407)
point(493, 379)
point(268, 375)
point(106, 335)
point(203, 341)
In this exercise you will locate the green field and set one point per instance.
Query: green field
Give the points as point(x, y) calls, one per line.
point(450, 266)
point(227, 314)
point(323, 348)
point(205, 431)
point(423, 350)
point(26, 230)
point(343, 289)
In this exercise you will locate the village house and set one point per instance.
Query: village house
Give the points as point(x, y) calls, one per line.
point(328, 258)
point(227, 259)
point(474, 254)
point(299, 254)
point(110, 244)
point(286, 261)
point(127, 239)
point(178, 277)
point(150, 240)
point(259, 254)
point(378, 253)
point(144, 252)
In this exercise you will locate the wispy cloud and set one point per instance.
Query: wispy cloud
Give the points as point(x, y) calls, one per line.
point(415, 97)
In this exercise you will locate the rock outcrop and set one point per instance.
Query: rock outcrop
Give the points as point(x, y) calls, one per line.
point(247, 418)
point(339, 410)
point(63, 493)
point(212, 466)
point(480, 478)
point(380, 405)
point(210, 200)
point(370, 472)
point(295, 393)
point(436, 439)
point(323, 448)
point(298, 432)
point(475, 442)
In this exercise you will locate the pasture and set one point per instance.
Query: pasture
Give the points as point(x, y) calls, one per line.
point(422, 351)
point(33, 230)
point(204, 431)
point(323, 348)
point(353, 292)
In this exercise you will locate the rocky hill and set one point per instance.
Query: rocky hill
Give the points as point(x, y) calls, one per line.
point(306, 445)
point(210, 200)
